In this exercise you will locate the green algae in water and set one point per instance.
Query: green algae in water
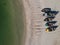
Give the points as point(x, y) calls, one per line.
point(7, 35)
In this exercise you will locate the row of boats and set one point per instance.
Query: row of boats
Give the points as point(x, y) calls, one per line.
point(50, 15)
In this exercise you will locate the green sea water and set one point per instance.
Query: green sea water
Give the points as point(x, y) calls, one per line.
point(11, 22)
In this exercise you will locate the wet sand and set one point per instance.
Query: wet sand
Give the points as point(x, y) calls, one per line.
point(19, 20)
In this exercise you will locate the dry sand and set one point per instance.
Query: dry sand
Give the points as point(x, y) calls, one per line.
point(52, 35)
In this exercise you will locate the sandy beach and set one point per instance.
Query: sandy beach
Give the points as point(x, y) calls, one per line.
point(33, 14)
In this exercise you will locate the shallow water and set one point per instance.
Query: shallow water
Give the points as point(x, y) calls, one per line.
point(11, 23)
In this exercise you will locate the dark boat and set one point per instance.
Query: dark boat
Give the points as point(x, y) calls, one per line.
point(46, 10)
